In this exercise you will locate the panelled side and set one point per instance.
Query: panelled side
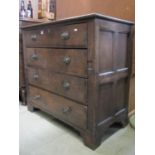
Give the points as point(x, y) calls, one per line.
point(112, 71)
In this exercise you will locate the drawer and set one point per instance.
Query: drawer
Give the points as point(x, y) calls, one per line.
point(68, 86)
point(21, 71)
point(60, 107)
point(69, 61)
point(58, 36)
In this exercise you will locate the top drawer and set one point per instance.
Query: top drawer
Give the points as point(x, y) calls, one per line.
point(58, 36)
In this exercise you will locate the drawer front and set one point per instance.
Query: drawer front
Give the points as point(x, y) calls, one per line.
point(70, 61)
point(21, 71)
point(68, 86)
point(63, 36)
point(60, 107)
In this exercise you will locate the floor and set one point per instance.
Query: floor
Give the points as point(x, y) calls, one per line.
point(41, 134)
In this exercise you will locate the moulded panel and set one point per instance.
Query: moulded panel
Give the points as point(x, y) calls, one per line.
point(105, 105)
point(120, 51)
point(121, 94)
point(105, 54)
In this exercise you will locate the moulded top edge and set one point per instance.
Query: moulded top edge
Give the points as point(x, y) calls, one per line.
point(82, 17)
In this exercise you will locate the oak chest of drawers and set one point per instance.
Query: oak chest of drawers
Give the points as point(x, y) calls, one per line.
point(78, 71)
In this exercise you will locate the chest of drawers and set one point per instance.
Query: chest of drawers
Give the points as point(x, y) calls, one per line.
point(78, 71)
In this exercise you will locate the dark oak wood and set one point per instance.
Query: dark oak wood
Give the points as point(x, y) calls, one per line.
point(65, 85)
point(69, 61)
point(62, 108)
point(66, 35)
point(22, 83)
point(94, 78)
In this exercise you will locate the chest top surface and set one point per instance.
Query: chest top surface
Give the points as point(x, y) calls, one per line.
point(82, 18)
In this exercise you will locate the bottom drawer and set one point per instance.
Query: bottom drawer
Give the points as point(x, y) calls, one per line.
point(64, 109)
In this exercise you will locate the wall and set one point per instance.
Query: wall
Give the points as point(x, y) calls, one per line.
point(118, 8)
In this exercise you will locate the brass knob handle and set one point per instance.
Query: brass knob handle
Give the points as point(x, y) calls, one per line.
point(66, 85)
point(66, 110)
point(34, 37)
point(65, 35)
point(36, 97)
point(67, 60)
point(34, 57)
point(35, 76)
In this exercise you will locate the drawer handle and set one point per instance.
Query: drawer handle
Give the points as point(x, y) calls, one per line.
point(66, 85)
point(36, 97)
point(34, 37)
point(34, 57)
point(65, 36)
point(66, 110)
point(67, 60)
point(35, 76)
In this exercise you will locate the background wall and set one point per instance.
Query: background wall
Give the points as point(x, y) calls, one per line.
point(124, 9)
